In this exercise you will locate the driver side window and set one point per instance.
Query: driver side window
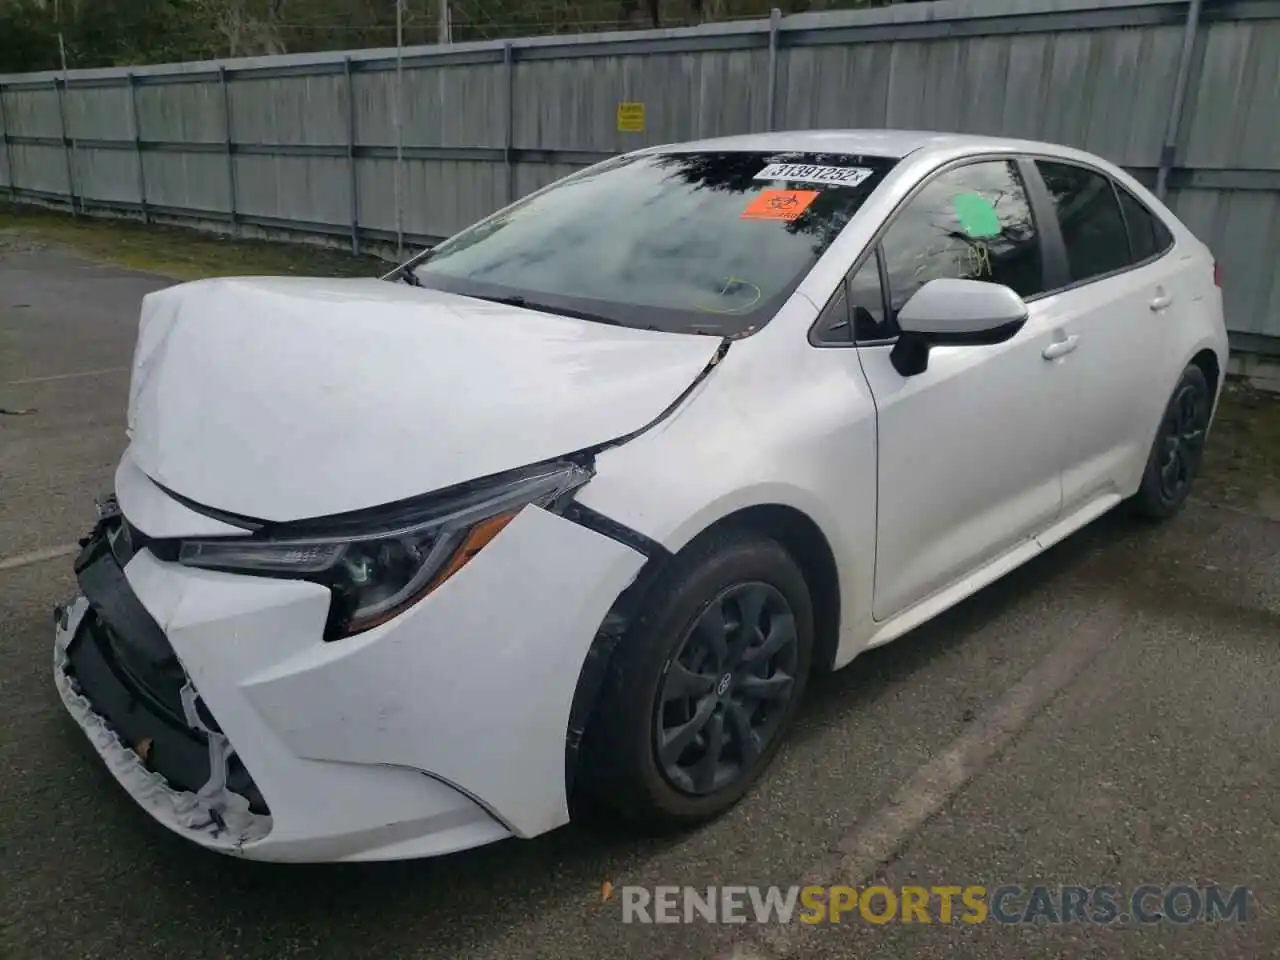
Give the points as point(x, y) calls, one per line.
point(971, 223)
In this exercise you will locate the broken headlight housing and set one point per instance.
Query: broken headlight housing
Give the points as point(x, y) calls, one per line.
point(380, 562)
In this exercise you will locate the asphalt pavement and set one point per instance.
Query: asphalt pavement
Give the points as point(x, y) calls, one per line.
point(1104, 716)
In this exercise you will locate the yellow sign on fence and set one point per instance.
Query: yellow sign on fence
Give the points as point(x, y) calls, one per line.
point(630, 117)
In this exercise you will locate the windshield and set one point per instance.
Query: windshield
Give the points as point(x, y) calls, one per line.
point(685, 242)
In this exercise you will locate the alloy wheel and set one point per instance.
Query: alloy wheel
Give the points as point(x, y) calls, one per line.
point(725, 693)
point(1184, 436)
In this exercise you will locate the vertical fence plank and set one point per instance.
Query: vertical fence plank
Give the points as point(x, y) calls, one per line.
point(399, 123)
point(351, 156)
point(509, 121)
point(775, 17)
point(136, 129)
point(230, 151)
point(60, 88)
point(8, 151)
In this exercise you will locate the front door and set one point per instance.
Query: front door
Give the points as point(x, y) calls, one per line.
point(969, 452)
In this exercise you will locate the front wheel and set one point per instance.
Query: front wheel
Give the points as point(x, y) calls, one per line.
point(704, 686)
point(1175, 456)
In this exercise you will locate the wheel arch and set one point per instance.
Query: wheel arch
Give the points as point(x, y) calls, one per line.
point(1206, 356)
point(1211, 366)
point(790, 526)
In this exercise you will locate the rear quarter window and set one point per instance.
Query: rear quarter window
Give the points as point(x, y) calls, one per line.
point(1148, 236)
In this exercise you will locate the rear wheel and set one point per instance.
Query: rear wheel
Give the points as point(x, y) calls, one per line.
point(1175, 456)
point(704, 686)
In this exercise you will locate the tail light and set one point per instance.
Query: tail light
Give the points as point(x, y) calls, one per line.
point(1217, 274)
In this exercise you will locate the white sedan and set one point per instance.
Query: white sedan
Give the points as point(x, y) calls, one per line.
point(576, 501)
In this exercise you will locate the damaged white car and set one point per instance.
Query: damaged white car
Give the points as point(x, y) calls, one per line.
point(576, 501)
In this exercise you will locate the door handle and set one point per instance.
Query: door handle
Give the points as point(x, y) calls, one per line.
point(1160, 302)
point(1060, 348)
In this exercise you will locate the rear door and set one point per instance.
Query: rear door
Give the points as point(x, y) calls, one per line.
point(969, 458)
point(1123, 295)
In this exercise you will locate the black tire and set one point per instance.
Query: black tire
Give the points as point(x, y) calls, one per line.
point(1177, 450)
point(623, 763)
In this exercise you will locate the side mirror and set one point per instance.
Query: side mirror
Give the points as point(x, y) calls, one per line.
point(949, 312)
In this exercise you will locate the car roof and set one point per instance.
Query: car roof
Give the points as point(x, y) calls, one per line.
point(894, 144)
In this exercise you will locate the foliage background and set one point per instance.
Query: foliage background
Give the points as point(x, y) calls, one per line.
point(98, 33)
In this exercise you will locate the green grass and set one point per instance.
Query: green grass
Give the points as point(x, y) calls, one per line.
point(176, 252)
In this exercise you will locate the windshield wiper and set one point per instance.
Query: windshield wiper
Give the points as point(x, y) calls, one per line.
point(405, 270)
point(515, 300)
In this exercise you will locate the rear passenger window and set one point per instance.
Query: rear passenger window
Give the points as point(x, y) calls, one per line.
point(1147, 235)
point(970, 223)
point(1092, 226)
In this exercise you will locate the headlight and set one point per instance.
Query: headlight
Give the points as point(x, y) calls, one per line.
point(379, 562)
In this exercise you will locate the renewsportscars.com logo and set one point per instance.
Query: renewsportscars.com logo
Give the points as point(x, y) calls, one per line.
point(1007, 904)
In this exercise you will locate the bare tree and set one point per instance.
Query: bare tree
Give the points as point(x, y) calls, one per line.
point(701, 10)
point(246, 28)
point(627, 10)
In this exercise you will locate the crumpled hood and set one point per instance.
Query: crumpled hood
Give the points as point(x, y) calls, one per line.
point(287, 398)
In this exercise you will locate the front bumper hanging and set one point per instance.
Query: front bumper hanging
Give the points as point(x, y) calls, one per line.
point(121, 681)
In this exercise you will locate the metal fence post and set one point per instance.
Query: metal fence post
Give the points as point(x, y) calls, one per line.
point(231, 161)
point(59, 87)
point(775, 17)
point(1169, 148)
point(8, 150)
point(137, 147)
point(351, 156)
point(508, 134)
point(399, 121)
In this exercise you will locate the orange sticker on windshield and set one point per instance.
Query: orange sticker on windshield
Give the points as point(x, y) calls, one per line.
point(779, 204)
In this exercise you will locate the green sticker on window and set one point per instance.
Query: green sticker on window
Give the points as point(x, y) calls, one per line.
point(977, 216)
